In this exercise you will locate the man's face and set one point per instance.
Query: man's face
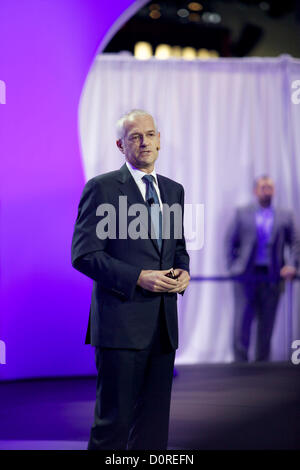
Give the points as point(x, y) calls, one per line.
point(264, 191)
point(141, 142)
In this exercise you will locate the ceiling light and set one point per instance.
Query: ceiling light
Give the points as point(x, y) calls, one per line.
point(155, 14)
point(194, 17)
point(154, 6)
point(189, 53)
point(183, 13)
point(176, 51)
point(265, 6)
point(195, 6)
point(163, 51)
point(215, 18)
point(143, 50)
point(203, 54)
point(211, 17)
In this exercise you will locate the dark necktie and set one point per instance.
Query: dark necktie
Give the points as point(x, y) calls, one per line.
point(156, 215)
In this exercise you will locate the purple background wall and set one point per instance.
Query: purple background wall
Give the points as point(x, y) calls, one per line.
point(46, 49)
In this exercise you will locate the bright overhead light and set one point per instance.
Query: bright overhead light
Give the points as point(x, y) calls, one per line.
point(163, 51)
point(189, 53)
point(176, 51)
point(203, 54)
point(143, 50)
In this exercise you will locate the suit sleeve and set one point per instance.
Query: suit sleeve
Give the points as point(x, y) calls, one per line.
point(232, 241)
point(293, 240)
point(89, 253)
point(182, 259)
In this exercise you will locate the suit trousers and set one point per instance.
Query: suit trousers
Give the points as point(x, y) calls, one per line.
point(133, 395)
point(257, 297)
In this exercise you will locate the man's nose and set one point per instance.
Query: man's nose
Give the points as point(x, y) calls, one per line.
point(144, 140)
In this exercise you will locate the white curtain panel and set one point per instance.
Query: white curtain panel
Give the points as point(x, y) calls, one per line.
point(222, 123)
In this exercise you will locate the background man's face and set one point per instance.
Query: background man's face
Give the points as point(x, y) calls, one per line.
point(141, 142)
point(264, 191)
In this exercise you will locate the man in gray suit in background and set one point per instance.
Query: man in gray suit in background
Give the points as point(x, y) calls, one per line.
point(255, 246)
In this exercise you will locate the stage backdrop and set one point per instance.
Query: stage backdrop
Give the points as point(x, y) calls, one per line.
point(46, 50)
point(222, 123)
point(245, 121)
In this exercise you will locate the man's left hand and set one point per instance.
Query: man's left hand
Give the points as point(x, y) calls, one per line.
point(183, 280)
point(288, 272)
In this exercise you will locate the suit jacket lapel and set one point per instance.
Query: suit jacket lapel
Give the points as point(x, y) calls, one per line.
point(252, 208)
point(274, 226)
point(165, 200)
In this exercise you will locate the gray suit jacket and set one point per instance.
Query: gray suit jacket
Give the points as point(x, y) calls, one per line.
point(241, 242)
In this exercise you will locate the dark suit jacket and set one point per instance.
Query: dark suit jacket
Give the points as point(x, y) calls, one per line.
point(241, 241)
point(122, 314)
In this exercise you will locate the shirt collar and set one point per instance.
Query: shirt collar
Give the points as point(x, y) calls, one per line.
point(260, 208)
point(138, 174)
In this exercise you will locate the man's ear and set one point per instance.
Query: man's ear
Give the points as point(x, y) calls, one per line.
point(158, 146)
point(120, 145)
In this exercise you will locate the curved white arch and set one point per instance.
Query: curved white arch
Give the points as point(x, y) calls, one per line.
point(125, 16)
point(86, 104)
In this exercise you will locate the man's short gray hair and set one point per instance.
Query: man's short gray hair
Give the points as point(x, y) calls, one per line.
point(264, 176)
point(129, 116)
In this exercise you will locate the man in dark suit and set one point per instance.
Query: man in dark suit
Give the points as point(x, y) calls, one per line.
point(255, 245)
point(133, 314)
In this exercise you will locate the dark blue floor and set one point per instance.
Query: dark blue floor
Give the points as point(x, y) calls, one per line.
point(214, 406)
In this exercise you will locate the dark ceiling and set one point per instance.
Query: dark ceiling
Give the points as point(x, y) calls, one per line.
point(232, 28)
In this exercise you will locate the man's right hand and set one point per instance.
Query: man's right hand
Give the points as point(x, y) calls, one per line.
point(156, 281)
point(288, 272)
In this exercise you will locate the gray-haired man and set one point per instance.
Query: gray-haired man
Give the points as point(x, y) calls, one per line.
point(133, 317)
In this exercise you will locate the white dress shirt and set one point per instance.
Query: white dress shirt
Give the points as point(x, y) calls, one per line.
point(138, 175)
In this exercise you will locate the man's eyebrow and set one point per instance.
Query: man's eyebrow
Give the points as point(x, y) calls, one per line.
point(138, 132)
